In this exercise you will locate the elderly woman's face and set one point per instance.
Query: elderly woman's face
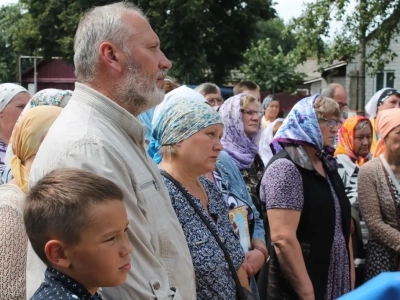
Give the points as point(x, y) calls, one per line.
point(10, 114)
point(391, 102)
point(392, 141)
point(251, 119)
point(329, 128)
point(214, 99)
point(201, 150)
point(362, 141)
point(272, 110)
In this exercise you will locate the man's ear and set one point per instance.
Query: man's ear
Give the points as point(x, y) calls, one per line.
point(56, 254)
point(112, 56)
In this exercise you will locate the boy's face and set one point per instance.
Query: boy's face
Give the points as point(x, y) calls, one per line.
point(101, 258)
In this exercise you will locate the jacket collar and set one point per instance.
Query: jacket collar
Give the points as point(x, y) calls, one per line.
point(110, 110)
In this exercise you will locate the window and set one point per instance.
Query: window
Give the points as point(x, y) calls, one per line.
point(384, 79)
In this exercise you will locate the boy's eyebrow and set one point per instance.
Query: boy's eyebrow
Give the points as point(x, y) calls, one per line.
point(109, 233)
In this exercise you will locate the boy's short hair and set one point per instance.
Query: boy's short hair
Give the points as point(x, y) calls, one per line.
point(245, 85)
point(208, 88)
point(57, 207)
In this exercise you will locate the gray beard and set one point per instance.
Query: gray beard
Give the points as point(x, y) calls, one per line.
point(137, 92)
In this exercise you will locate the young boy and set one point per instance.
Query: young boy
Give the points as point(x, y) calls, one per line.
point(248, 87)
point(77, 224)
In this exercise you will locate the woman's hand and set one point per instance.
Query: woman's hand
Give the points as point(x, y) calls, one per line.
point(256, 259)
point(243, 277)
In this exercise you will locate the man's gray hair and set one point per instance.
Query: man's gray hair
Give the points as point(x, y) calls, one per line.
point(207, 88)
point(98, 25)
point(329, 91)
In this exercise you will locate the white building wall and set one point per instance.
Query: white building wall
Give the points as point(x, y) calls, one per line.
point(315, 88)
point(370, 80)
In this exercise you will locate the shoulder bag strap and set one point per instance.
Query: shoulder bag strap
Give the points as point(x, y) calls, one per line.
point(239, 289)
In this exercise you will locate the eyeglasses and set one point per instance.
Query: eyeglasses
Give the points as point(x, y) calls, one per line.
point(251, 112)
point(214, 101)
point(332, 123)
point(343, 105)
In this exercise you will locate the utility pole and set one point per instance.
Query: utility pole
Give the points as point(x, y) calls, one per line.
point(363, 52)
point(34, 70)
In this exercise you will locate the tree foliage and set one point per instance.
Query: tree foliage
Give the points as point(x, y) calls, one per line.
point(9, 28)
point(273, 72)
point(197, 35)
point(276, 31)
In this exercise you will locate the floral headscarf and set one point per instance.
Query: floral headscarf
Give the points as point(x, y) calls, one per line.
point(301, 127)
point(346, 139)
point(181, 118)
point(146, 118)
point(236, 143)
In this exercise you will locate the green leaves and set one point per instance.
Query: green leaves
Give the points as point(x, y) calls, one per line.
point(274, 72)
point(10, 28)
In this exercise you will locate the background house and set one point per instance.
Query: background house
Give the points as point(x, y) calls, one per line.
point(390, 77)
point(319, 77)
point(54, 73)
point(347, 74)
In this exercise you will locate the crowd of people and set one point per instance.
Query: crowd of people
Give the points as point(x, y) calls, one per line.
point(134, 187)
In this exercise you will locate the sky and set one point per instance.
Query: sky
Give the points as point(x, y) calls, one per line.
point(288, 9)
point(2, 2)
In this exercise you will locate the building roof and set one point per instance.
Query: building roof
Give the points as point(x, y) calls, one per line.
point(313, 70)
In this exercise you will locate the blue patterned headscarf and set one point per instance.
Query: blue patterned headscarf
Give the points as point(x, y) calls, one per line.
point(146, 118)
point(181, 118)
point(301, 127)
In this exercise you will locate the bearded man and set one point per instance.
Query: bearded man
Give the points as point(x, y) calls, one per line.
point(120, 71)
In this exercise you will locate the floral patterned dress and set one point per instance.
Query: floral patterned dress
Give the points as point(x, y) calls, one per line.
point(214, 280)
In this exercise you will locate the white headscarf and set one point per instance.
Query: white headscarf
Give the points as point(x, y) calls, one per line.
point(372, 106)
point(265, 141)
point(7, 92)
point(180, 92)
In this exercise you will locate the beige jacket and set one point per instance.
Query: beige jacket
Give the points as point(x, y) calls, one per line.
point(95, 134)
point(377, 206)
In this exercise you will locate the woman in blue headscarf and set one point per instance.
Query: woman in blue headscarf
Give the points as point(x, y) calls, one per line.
point(307, 207)
point(187, 136)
